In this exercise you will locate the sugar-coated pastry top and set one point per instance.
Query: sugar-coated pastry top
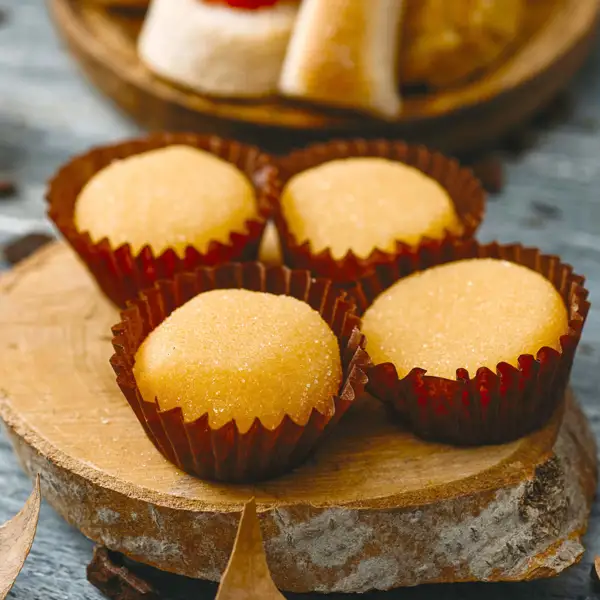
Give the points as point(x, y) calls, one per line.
point(176, 197)
point(360, 204)
point(237, 354)
point(465, 314)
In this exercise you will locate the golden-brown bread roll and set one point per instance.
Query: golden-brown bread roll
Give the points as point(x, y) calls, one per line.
point(445, 42)
point(344, 53)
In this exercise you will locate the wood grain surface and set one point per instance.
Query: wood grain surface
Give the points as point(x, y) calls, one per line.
point(333, 516)
point(47, 113)
point(555, 39)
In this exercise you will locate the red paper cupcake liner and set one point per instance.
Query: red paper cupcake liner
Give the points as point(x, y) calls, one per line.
point(225, 454)
point(120, 273)
point(461, 185)
point(489, 407)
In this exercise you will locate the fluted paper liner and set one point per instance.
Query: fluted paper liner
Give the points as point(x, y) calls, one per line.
point(120, 273)
point(487, 407)
point(462, 186)
point(225, 454)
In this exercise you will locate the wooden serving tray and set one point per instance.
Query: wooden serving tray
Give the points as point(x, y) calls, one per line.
point(375, 507)
point(554, 43)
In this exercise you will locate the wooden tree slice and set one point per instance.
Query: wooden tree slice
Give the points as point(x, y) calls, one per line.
point(374, 508)
point(555, 40)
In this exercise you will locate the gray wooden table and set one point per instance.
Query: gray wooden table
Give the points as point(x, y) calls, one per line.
point(48, 113)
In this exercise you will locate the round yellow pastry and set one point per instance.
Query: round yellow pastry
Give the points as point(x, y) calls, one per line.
point(361, 204)
point(238, 354)
point(172, 197)
point(465, 314)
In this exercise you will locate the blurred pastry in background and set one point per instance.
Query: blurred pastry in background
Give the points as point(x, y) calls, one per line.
point(353, 54)
point(344, 53)
point(126, 4)
point(444, 43)
point(218, 47)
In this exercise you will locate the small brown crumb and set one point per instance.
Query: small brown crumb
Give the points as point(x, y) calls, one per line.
point(546, 211)
point(517, 142)
point(490, 171)
point(555, 112)
point(19, 249)
point(8, 188)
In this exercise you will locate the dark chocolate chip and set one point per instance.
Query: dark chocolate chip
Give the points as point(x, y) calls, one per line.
point(8, 188)
point(546, 211)
point(19, 249)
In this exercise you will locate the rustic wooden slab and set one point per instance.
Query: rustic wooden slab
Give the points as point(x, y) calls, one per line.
point(374, 508)
point(554, 43)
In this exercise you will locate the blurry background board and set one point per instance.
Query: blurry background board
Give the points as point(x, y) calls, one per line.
point(555, 41)
point(374, 507)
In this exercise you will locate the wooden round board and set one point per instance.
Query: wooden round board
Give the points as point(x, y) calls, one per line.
point(373, 508)
point(554, 43)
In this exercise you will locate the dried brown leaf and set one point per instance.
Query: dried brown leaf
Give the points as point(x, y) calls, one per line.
point(247, 575)
point(596, 569)
point(16, 538)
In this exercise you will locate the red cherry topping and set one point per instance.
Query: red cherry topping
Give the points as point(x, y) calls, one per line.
point(245, 4)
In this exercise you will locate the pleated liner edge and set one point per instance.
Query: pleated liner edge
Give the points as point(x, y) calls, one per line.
point(462, 186)
point(120, 273)
point(225, 454)
point(491, 407)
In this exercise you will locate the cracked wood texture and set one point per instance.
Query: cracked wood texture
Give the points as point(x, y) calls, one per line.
point(551, 200)
point(374, 507)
